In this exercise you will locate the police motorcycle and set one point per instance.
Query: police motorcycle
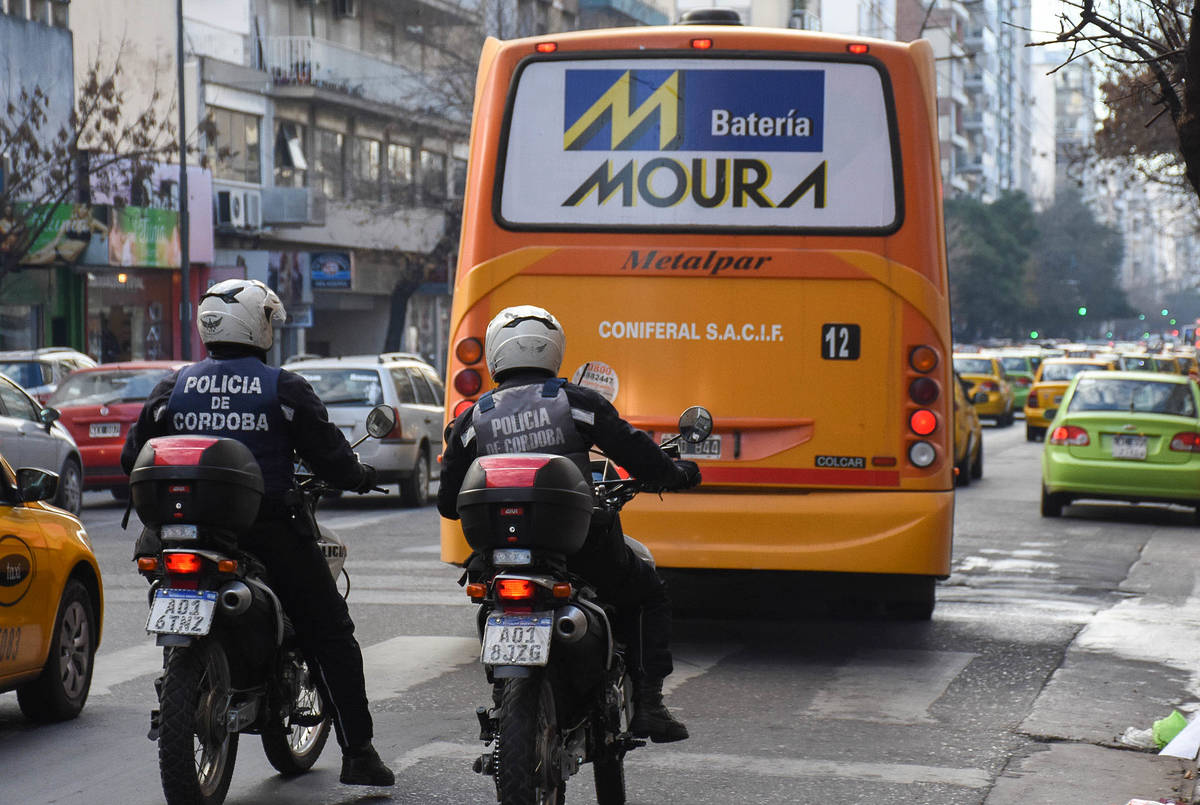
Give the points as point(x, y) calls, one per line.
point(562, 694)
point(231, 665)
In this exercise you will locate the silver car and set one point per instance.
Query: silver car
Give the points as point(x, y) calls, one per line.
point(32, 436)
point(350, 386)
point(39, 371)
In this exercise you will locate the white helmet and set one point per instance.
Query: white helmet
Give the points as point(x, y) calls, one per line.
point(524, 337)
point(239, 312)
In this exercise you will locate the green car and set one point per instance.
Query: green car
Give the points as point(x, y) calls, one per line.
point(1020, 369)
point(1132, 436)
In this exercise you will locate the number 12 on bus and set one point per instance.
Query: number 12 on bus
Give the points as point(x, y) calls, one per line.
point(747, 219)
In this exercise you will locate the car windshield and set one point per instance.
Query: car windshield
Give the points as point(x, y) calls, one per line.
point(1139, 396)
point(1064, 371)
point(973, 366)
point(1015, 364)
point(345, 386)
point(27, 374)
point(107, 388)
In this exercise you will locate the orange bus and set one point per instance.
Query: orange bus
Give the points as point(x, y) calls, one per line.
point(746, 219)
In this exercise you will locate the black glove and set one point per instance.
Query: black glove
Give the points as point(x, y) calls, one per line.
point(369, 479)
point(689, 474)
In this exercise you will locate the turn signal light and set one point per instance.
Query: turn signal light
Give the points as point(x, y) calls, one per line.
point(227, 565)
point(1186, 442)
point(468, 382)
point(923, 422)
point(562, 590)
point(476, 590)
point(1071, 435)
point(147, 564)
point(182, 563)
point(514, 589)
point(924, 359)
point(469, 350)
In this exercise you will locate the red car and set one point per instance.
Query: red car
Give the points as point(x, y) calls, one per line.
point(98, 406)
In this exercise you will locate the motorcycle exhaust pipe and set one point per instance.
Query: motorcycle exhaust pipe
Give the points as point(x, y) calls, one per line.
point(235, 598)
point(570, 624)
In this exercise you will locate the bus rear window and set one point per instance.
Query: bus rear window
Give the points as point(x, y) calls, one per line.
point(729, 144)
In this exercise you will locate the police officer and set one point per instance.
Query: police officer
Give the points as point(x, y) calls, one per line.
point(234, 393)
point(532, 410)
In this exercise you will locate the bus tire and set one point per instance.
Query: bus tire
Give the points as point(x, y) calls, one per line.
point(914, 600)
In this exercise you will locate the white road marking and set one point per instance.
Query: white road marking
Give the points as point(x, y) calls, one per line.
point(121, 666)
point(724, 766)
point(692, 661)
point(1138, 629)
point(890, 686)
point(395, 665)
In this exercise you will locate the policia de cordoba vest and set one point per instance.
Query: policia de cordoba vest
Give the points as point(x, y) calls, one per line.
point(534, 418)
point(236, 399)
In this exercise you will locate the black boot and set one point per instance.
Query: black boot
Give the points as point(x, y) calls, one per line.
point(361, 766)
point(651, 718)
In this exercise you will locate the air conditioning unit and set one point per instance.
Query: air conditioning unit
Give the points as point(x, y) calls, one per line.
point(344, 8)
point(238, 209)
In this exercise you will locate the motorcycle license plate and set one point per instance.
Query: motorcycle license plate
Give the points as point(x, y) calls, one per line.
point(186, 612)
point(516, 639)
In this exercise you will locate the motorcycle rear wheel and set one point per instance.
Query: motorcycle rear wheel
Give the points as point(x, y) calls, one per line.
point(195, 752)
point(527, 771)
point(294, 750)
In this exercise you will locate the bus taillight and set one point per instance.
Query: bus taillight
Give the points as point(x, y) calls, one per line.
point(468, 382)
point(922, 454)
point(469, 350)
point(923, 391)
point(923, 422)
point(924, 359)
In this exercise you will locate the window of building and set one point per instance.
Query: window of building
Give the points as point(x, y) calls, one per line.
point(458, 177)
point(382, 40)
point(291, 167)
point(233, 150)
point(59, 17)
point(329, 168)
point(39, 11)
point(433, 175)
point(366, 156)
point(399, 172)
point(14, 8)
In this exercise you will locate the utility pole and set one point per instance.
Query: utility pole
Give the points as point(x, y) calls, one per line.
point(185, 306)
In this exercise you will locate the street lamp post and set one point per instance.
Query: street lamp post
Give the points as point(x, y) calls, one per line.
point(185, 306)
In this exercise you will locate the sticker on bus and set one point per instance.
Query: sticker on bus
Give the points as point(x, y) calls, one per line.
point(787, 143)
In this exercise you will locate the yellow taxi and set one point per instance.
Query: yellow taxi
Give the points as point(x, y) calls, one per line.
point(1188, 364)
point(51, 598)
point(968, 436)
point(1046, 393)
point(991, 392)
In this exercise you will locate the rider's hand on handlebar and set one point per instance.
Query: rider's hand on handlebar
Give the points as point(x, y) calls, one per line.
point(370, 477)
point(689, 474)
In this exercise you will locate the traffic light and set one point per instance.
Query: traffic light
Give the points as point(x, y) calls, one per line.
point(1082, 310)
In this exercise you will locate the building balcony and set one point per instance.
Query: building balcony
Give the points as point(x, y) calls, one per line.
point(309, 63)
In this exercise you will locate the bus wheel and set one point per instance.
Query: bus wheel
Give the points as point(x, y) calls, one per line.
point(913, 600)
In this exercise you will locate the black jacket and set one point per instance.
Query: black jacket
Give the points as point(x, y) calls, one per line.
point(311, 435)
point(626, 445)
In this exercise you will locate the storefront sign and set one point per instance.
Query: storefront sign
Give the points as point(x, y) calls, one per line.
point(64, 231)
point(145, 237)
point(331, 270)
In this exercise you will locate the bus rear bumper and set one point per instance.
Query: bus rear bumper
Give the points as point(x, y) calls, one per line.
point(855, 532)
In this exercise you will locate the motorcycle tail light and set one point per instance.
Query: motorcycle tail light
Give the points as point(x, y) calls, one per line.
point(181, 563)
point(1071, 435)
point(1186, 442)
point(514, 589)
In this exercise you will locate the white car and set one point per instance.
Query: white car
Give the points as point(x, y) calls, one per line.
point(39, 371)
point(32, 436)
point(350, 386)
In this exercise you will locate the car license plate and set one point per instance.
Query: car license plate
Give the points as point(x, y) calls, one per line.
point(104, 430)
point(709, 448)
point(516, 639)
point(187, 612)
point(1125, 446)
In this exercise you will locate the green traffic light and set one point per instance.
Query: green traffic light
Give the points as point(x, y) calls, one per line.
point(1082, 310)
point(1165, 311)
point(1141, 317)
point(1033, 333)
point(1172, 321)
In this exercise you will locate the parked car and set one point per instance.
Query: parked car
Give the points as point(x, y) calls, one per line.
point(51, 599)
point(1131, 436)
point(1048, 388)
point(968, 436)
point(98, 405)
point(351, 386)
point(32, 436)
point(991, 392)
point(39, 371)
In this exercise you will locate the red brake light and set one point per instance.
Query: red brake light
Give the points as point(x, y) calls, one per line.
point(468, 382)
point(514, 589)
point(988, 385)
point(1186, 442)
point(182, 563)
point(923, 422)
point(507, 471)
point(546, 47)
point(1024, 381)
point(858, 48)
point(461, 406)
point(1071, 435)
point(702, 44)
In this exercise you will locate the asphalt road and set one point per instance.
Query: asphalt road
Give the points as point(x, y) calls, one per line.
point(1050, 638)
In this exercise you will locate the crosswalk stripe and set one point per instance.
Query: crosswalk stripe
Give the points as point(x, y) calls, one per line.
point(693, 660)
point(113, 668)
point(896, 686)
point(395, 665)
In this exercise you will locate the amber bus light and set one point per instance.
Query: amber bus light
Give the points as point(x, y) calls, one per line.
point(469, 350)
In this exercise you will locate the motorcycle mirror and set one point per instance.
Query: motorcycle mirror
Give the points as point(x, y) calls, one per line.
point(381, 420)
point(695, 424)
